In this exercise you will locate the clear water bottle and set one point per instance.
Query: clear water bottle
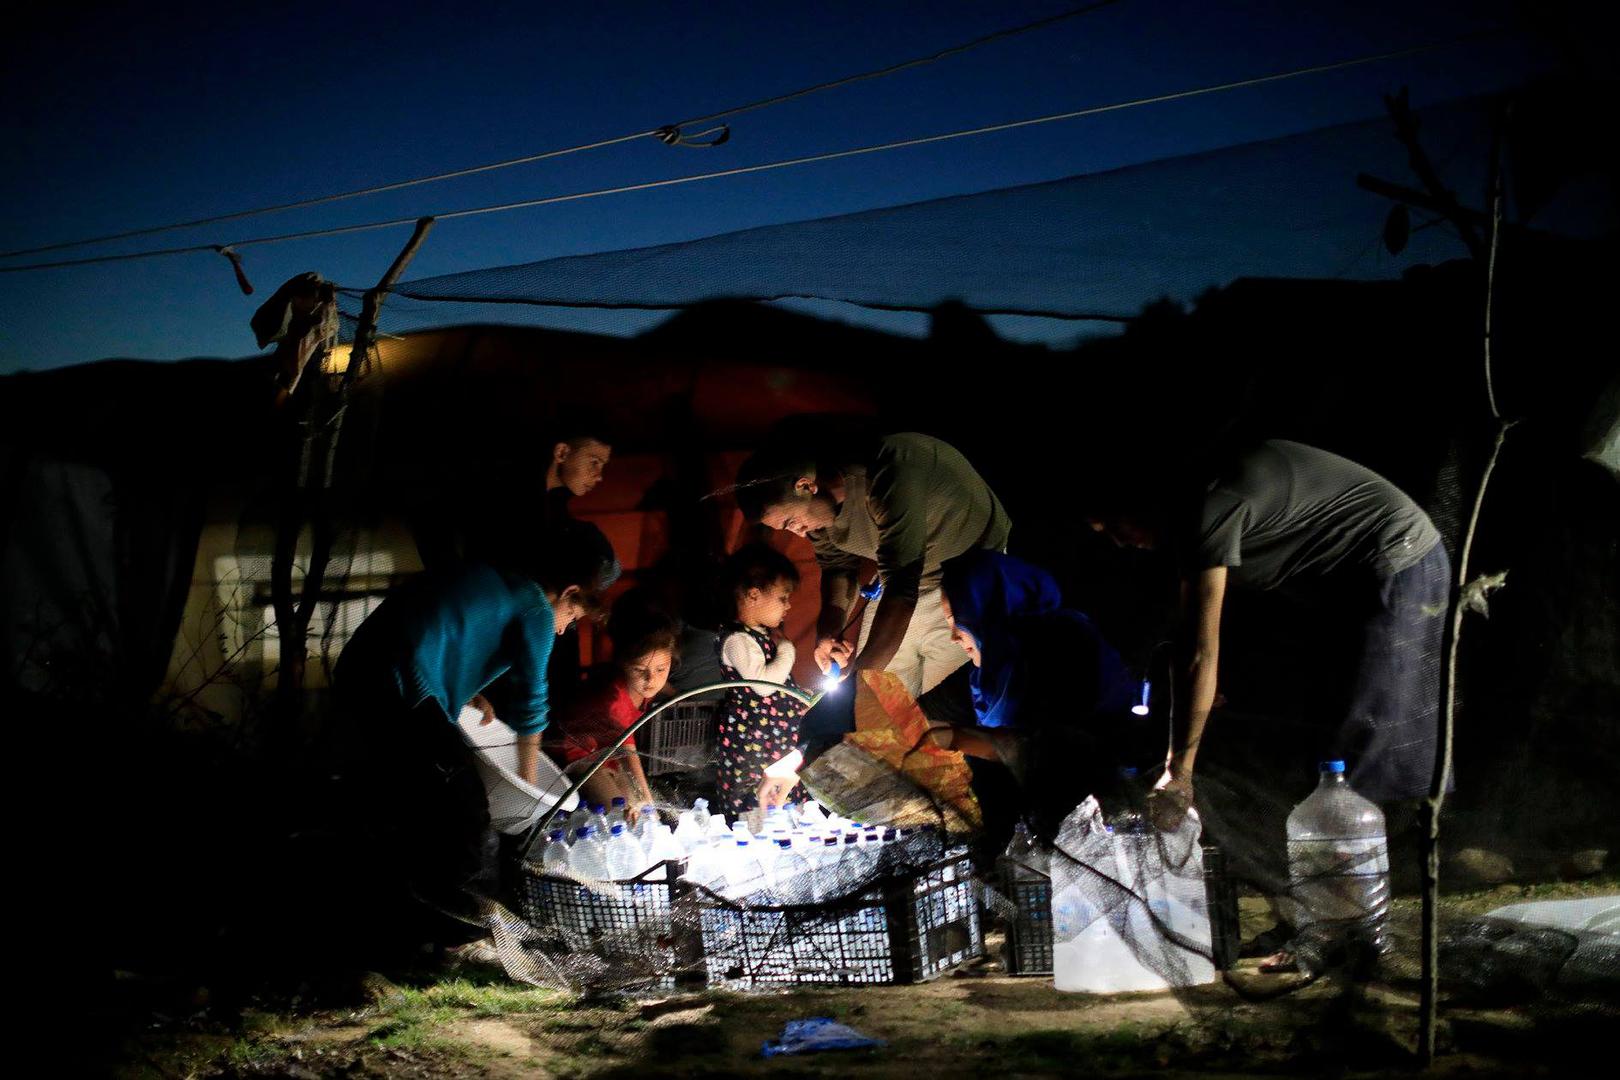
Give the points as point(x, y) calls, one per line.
point(623, 854)
point(617, 812)
point(646, 818)
point(662, 846)
point(689, 830)
point(598, 820)
point(747, 877)
point(795, 881)
point(554, 860)
point(1338, 870)
point(587, 859)
point(717, 829)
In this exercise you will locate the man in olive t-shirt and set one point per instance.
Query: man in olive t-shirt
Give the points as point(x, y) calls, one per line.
point(906, 501)
point(1283, 515)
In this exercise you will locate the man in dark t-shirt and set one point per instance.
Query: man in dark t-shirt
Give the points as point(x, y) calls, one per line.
point(1283, 515)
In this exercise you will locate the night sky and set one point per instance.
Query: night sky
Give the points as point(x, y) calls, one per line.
point(141, 116)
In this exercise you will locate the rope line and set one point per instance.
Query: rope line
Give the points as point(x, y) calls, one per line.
point(669, 134)
point(809, 159)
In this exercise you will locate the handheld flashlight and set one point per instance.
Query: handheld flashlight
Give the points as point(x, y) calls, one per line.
point(830, 682)
point(1141, 706)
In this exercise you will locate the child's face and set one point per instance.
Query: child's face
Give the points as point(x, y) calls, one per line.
point(768, 606)
point(645, 676)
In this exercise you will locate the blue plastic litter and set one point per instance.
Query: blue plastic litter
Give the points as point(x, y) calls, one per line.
point(816, 1034)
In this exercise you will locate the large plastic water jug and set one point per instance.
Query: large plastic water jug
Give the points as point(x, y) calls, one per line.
point(1338, 869)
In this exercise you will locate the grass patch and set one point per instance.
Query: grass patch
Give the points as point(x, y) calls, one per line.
point(484, 999)
point(1478, 901)
point(252, 1051)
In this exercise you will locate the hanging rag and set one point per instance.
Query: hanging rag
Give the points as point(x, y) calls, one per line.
point(302, 319)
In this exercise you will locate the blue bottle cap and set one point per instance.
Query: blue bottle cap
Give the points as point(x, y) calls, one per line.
point(1332, 766)
point(784, 844)
point(556, 834)
point(619, 801)
point(585, 833)
point(597, 808)
point(617, 830)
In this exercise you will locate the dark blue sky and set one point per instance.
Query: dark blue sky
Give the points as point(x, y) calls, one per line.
point(137, 117)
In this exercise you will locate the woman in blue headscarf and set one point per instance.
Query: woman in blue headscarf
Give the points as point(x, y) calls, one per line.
point(1047, 689)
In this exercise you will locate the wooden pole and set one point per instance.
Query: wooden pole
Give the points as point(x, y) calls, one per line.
point(293, 620)
point(1429, 999)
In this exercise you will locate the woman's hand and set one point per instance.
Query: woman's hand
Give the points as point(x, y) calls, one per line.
point(481, 703)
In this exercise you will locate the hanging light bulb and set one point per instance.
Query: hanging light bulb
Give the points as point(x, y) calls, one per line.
point(1141, 706)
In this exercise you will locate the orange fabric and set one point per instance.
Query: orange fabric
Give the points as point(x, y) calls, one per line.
point(890, 726)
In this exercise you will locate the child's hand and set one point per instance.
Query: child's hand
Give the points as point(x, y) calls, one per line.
point(773, 790)
point(481, 703)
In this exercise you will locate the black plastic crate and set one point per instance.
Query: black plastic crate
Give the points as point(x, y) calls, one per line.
point(904, 929)
point(1029, 934)
point(628, 925)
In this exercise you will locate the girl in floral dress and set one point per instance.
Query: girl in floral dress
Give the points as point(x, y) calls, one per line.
point(756, 728)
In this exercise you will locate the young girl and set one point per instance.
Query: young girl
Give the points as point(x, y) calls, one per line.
point(756, 728)
point(644, 647)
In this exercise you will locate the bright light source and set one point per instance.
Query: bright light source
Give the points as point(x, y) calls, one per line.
point(830, 682)
point(1141, 706)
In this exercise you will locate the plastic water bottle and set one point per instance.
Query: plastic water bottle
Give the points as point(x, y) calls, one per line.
point(1338, 869)
point(705, 866)
point(717, 829)
point(661, 846)
point(554, 860)
point(598, 820)
point(765, 852)
point(1023, 850)
point(689, 829)
point(646, 818)
point(587, 859)
point(624, 855)
point(616, 815)
point(746, 879)
point(794, 878)
point(855, 862)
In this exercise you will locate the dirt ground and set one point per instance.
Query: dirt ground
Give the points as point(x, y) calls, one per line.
point(972, 1022)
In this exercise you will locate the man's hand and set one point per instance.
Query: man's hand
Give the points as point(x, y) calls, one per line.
point(481, 703)
point(1170, 800)
point(832, 650)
